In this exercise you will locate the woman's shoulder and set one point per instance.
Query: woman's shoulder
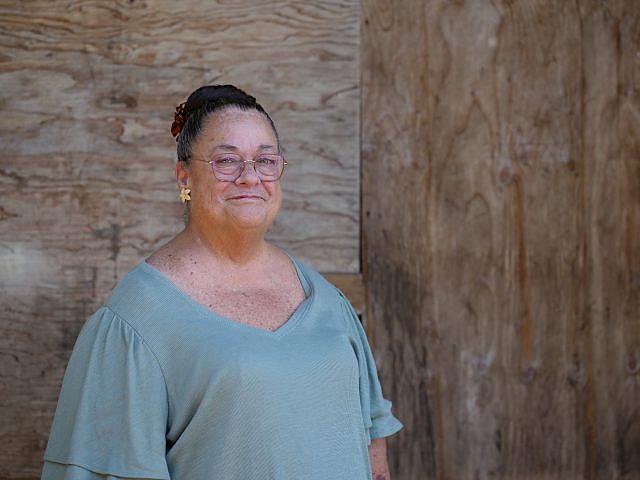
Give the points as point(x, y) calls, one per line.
point(141, 299)
point(319, 281)
point(167, 258)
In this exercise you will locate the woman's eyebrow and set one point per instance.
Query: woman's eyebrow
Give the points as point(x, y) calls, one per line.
point(227, 146)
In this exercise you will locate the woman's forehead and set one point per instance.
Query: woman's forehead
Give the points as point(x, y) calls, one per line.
point(237, 129)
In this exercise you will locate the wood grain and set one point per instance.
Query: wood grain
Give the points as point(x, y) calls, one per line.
point(501, 197)
point(87, 185)
point(352, 286)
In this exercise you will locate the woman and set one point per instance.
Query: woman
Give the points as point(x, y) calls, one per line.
point(221, 356)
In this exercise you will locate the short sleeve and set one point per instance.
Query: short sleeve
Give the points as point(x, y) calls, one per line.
point(378, 419)
point(112, 413)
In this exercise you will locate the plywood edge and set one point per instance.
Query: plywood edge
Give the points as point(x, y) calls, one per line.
point(351, 285)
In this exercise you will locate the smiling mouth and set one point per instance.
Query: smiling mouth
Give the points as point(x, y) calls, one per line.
point(245, 197)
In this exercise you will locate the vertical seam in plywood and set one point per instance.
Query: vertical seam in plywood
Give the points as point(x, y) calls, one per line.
point(363, 243)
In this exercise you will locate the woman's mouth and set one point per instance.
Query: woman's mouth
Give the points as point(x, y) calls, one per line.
point(245, 197)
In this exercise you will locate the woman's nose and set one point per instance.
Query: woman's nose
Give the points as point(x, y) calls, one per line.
point(248, 174)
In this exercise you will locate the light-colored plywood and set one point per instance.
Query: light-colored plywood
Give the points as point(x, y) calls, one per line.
point(90, 89)
point(501, 189)
point(87, 185)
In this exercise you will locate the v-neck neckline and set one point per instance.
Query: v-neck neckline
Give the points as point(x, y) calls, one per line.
point(293, 320)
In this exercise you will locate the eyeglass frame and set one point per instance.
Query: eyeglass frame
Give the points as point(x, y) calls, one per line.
point(253, 161)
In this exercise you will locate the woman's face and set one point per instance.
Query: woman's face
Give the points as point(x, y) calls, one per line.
point(218, 203)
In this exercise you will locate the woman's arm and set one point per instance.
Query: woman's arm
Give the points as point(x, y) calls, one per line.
point(378, 457)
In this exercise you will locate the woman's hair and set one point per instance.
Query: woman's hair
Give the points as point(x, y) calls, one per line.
point(190, 115)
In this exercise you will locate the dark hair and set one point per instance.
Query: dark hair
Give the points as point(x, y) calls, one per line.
point(204, 101)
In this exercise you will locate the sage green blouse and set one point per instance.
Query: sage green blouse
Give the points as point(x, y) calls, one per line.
point(159, 387)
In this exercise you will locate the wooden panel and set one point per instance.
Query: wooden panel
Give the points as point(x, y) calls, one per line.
point(87, 185)
point(351, 286)
point(501, 197)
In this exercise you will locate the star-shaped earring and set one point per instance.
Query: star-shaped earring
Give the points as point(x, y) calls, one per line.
point(184, 194)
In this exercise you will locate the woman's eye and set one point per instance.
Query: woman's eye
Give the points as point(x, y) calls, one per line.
point(265, 161)
point(225, 160)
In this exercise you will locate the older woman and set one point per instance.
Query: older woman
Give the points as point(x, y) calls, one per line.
point(222, 356)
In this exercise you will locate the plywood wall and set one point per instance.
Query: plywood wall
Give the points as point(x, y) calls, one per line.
point(501, 197)
point(87, 185)
point(501, 203)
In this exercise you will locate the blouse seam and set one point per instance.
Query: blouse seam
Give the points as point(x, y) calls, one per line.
point(350, 312)
point(144, 342)
point(88, 468)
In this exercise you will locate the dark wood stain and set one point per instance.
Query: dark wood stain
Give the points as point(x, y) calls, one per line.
point(501, 189)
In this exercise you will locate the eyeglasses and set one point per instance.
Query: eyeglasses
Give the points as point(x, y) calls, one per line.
point(227, 167)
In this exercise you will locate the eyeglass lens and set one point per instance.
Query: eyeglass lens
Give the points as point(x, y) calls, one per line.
point(268, 167)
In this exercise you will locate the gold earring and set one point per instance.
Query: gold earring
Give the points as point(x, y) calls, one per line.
point(184, 194)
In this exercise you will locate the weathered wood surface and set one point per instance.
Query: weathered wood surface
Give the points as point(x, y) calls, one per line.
point(87, 185)
point(501, 197)
point(352, 286)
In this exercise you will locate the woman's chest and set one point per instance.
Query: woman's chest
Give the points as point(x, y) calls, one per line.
point(245, 364)
point(231, 376)
point(268, 307)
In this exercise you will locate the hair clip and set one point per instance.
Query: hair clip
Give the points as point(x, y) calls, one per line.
point(178, 120)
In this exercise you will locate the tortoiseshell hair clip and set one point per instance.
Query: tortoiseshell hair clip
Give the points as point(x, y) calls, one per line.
point(178, 120)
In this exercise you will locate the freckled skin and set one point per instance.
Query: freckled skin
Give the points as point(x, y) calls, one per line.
point(378, 458)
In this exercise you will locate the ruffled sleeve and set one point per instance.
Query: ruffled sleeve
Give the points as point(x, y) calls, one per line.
point(113, 409)
point(376, 410)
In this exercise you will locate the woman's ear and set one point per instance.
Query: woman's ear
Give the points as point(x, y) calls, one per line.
point(182, 174)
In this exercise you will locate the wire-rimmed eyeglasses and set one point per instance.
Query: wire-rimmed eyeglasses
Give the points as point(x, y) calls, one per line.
point(227, 167)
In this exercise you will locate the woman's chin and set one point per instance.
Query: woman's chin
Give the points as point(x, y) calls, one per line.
point(249, 218)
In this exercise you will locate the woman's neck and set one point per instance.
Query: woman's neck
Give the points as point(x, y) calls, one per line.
point(232, 248)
